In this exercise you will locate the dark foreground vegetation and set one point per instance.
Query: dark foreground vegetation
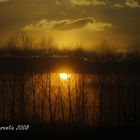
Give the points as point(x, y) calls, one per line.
point(102, 93)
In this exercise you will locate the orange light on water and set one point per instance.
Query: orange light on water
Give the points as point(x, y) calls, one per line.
point(64, 76)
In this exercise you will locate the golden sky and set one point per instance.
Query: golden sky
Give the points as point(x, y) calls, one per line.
point(73, 20)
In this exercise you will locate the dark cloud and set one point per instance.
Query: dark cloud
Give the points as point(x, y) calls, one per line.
point(74, 24)
point(87, 24)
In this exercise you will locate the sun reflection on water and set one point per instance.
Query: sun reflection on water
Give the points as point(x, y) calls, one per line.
point(64, 76)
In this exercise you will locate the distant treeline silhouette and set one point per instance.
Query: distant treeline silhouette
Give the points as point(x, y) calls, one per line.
point(21, 44)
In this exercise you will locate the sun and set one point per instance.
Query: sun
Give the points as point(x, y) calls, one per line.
point(64, 76)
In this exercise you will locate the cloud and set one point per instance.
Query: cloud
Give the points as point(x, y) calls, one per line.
point(132, 4)
point(4, 1)
point(88, 2)
point(41, 25)
point(99, 26)
point(117, 5)
point(67, 24)
point(128, 4)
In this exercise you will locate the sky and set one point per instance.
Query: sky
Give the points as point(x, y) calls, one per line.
point(70, 21)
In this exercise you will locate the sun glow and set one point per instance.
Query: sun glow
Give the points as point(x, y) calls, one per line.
point(64, 76)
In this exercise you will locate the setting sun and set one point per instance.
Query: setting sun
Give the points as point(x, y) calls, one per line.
point(64, 76)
